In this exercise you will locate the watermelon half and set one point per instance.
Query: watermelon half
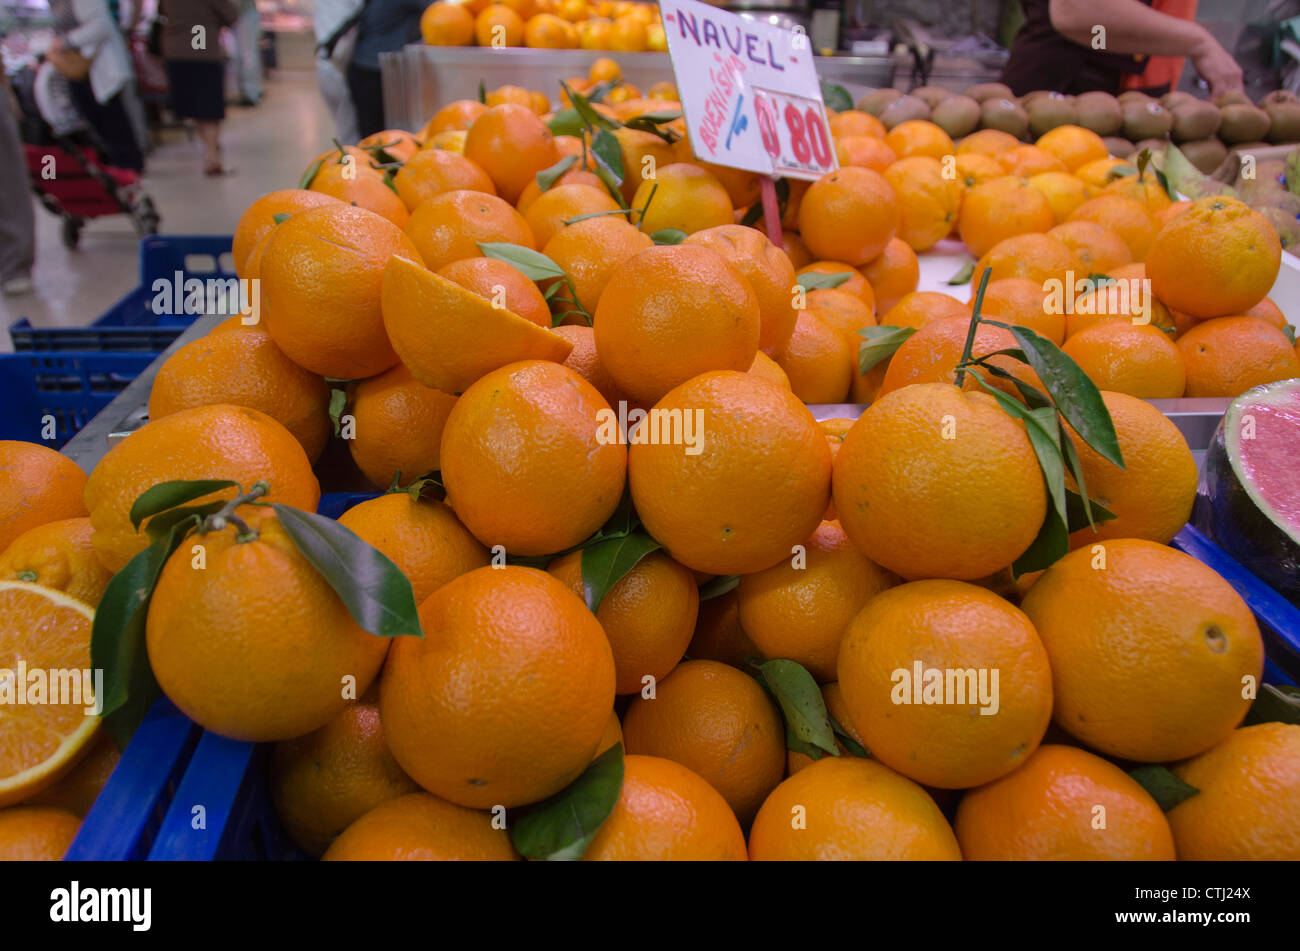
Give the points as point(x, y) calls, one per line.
point(1249, 500)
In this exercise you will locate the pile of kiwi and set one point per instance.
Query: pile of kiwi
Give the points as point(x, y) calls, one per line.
point(1129, 123)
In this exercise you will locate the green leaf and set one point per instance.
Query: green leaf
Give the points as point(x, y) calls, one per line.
point(1290, 333)
point(560, 828)
point(846, 739)
point(482, 92)
point(717, 587)
point(280, 217)
point(1120, 171)
point(668, 236)
point(964, 275)
point(1032, 396)
point(1075, 467)
point(168, 495)
point(1275, 705)
point(566, 122)
point(532, 264)
point(1076, 517)
point(338, 403)
point(310, 174)
point(605, 563)
point(968, 347)
point(377, 594)
point(880, 344)
point(801, 703)
point(388, 180)
point(1164, 182)
point(1048, 546)
point(1165, 788)
point(836, 96)
point(752, 214)
point(654, 118)
point(817, 281)
point(590, 117)
point(548, 176)
point(1074, 394)
point(1144, 161)
point(609, 154)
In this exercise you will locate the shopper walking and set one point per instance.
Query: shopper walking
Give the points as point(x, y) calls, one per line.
point(195, 60)
point(335, 22)
point(248, 34)
point(385, 27)
point(17, 220)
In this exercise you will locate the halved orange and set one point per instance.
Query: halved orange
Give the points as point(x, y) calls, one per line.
point(448, 336)
point(41, 630)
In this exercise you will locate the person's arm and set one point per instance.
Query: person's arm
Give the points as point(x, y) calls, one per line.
point(1133, 27)
point(95, 24)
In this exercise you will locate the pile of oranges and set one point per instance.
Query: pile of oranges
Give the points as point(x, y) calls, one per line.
point(617, 25)
point(617, 542)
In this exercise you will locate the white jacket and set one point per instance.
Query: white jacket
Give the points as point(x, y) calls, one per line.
point(100, 40)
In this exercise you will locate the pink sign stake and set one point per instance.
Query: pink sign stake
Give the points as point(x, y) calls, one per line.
point(771, 211)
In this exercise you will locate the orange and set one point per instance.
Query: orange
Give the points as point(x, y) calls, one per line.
point(850, 809)
point(758, 485)
point(423, 538)
point(613, 734)
point(547, 215)
point(844, 311)
point(856, 122)
point(502, 284)
point(1151, 497)
point(591, 251)
point(644, 153)
point(206, 442)
point(258, 219)
point(431, 172)
point(1026, 161)
point(743, 187)
point(323, 782)
point(1171, 211)
point(794, 246)
point(627, 34)
point(1127, 294)
point(717, 722)
point(916, 670)
point(512, 145)
point(457, 115)
point(321, 274)
point(718, 634)
point(243, 366)
point(452, 140)
point(450, 226)
point(527, 459)
point(1217, 258)
point(800, 607)
point(398, 143)
point(1125, 216)
point(260, 675)
point(893, 274)
point(864, 151)
point(919, 137)
point(57, 555)
point(1074, 145)
point(818, 360)
point(593, 34)
point(604, 69)
point(1147, 191)
point(973, 168)
point(932, 353)
point(769, 273)
point(418, 827)
point(768, 369)
point(447, 24)
point(855, 283)
point(356, 181)
point(686, 197)
point(44, 736)
point(1267, 311)
point(930, 201)
point(574, 176)
point(963, 507)
point(1002, 208)
point(666, 812)
point(672, 312)
point(1063, 191)
point(584, 361)
point(919, 308)
point(1248, 806)
point(36, 834)
point(77, 791)
point(1021, 302)
point(1063, 804)
point(1039, 257)
point(506, 705)
point(37, 485)
point(509, 93)
point(1229, 355)
point(1186, 638)
point(497, 26)
point(648, 616)
point(1099, 249)
point(548, 31)
point(1137, 359)
point(1102, 171)
point(987, 142)
point(849, 215)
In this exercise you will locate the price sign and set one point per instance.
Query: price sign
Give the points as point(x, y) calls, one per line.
point(749, 92)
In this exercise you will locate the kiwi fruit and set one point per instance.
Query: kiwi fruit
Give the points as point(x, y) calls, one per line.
point(1099, 112)
point(1243, 122)
point(1194, 119)
point(1278, 96)
point(1005, 116)
point(982, 91)
point(1206, 154)
point(1234, 98)
point(1047, 112)
point(1271, 170)
point(875, 101)
point(1284, 121)
point(1118, 146)
point(956, 115)
point(1176, 97)
point(1133, 95)
point(902, 109)
point(931, 95)
point(1145, 119)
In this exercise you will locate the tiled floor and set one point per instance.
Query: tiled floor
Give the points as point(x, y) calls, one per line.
point(269, 145)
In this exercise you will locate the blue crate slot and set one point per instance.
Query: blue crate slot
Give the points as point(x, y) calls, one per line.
point(125, 819)
point(70, 387)
point(334, 504)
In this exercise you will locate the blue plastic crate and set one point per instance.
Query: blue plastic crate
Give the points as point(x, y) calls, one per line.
point(130, 325)
point(68, 387)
